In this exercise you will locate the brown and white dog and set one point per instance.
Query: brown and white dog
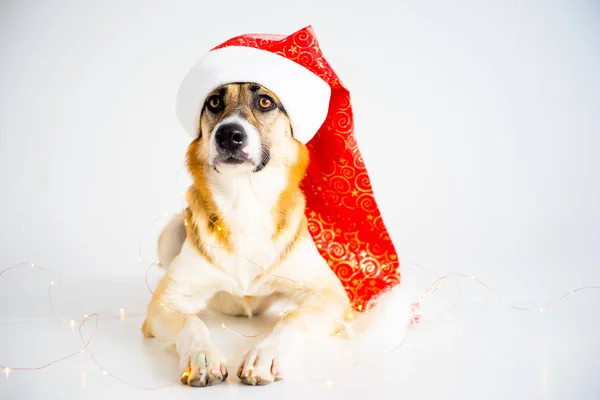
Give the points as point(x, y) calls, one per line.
point(243, 242)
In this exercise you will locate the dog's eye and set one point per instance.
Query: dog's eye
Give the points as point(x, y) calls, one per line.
point(214, 103)
point(266, 103)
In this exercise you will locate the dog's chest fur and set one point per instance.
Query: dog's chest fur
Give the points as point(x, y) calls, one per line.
point(246, 205)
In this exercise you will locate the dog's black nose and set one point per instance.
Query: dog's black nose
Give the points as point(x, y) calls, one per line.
point(231, 137)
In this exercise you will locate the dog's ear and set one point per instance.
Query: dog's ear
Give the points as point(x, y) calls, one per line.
point(199, 136)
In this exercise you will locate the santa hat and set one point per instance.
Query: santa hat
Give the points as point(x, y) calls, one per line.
point(343, 218)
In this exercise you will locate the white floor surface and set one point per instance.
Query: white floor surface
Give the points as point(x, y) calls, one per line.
point(480, 350)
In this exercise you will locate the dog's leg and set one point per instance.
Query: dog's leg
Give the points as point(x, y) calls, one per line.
point(171, 240)
point(171, 317)
point(322, 301)
point(317, 317)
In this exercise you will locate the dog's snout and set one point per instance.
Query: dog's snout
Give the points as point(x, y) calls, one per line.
point(231, 137)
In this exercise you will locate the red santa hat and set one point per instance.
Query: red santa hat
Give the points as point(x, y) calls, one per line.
point(343, 218)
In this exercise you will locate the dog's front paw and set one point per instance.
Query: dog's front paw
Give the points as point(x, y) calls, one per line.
point(259, 366)
point(203, 367)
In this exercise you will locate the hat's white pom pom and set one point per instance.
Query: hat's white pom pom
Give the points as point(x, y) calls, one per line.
point(393, 312)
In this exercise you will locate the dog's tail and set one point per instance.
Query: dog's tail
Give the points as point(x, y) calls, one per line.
point(171, 240)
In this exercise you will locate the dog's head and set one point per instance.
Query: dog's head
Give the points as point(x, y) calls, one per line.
point(244, 128)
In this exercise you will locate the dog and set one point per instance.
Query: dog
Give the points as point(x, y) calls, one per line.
point(243, 242)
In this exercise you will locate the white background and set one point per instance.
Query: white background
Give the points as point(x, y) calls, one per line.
point(479, 123)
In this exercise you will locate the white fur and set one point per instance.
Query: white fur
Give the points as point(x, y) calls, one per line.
point(170, 240)
point(245, 201)
point(245, 281)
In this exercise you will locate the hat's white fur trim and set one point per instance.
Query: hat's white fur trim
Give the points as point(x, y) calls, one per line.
point(304, 95)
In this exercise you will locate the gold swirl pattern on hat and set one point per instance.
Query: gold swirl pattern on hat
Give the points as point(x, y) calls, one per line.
point(343, 218)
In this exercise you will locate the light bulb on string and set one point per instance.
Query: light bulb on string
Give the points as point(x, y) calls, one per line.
point(385, 353)
point(435, 285)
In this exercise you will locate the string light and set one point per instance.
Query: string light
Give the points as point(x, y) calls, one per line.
point(122, 314)
point(86, 343)
point(436, 284)
point(434, 287)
